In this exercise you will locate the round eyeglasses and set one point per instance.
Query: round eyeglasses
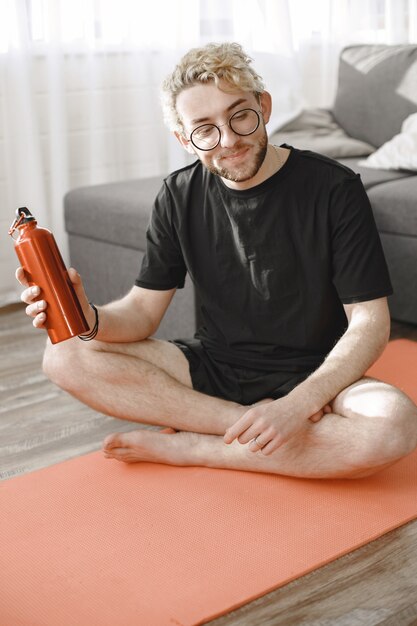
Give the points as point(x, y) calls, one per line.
point(207, 136)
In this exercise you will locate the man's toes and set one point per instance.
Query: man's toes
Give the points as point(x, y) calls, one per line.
point(119, 454)
point(113, 441)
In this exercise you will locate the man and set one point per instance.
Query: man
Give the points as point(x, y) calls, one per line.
point(285, 257)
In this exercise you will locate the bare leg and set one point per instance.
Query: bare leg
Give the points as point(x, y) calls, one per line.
point(374, 426)
point(147, 381)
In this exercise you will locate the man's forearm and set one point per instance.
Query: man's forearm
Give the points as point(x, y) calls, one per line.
point(134, 317)
point(118, 324)
point(360, 346)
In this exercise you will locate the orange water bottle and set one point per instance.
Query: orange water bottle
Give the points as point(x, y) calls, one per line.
point(39, 256)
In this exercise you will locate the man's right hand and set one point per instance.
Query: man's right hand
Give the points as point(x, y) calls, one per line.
point(32, 297)
point(37, 306)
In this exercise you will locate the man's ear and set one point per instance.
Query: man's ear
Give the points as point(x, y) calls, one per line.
point(265, 101)
point(186, 143)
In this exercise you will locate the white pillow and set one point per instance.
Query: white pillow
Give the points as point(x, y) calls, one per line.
point(400, 152)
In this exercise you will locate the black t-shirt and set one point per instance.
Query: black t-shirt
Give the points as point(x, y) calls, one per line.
point(271, 265)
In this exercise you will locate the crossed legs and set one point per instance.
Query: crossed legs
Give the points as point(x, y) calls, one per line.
point(370, 426)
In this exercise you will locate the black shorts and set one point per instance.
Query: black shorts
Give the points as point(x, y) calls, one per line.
point(235, 383)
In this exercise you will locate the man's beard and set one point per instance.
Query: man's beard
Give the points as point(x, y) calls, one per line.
point(244, 172)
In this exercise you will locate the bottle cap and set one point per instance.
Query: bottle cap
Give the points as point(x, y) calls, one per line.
point(23, 216)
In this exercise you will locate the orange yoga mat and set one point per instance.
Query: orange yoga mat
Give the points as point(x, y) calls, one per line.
point(91, 542)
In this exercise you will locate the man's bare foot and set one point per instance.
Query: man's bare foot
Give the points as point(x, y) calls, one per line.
point(153, 446)
point(164, 446)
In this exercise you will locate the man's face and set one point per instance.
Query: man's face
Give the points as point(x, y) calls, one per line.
point(236, 158)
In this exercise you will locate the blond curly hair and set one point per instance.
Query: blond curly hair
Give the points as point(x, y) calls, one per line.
point(214, 62)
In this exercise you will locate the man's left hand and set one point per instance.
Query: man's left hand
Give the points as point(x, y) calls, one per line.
point(267, 426)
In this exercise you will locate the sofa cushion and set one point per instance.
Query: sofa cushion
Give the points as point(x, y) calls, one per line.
point(371, 177)
point(395, 206)
point(115, 212)
point(316, 130)
point(401, 255)
point(398, 153)
point(377, 90)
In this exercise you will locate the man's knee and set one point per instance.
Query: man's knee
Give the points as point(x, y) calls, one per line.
point(391, 436)
point(404, 425)
point(63, 363)
point(384, 422)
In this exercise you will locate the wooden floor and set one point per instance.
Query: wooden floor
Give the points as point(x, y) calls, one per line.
point(41, 425)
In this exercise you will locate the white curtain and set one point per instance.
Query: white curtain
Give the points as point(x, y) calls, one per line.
point(320, 29)
point(79, 84)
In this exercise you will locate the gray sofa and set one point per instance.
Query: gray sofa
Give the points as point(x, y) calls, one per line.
point(377, 91)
